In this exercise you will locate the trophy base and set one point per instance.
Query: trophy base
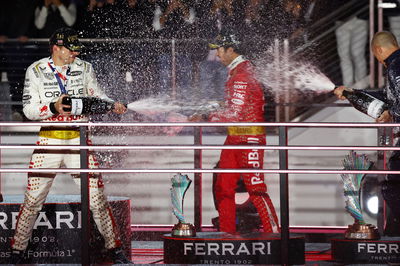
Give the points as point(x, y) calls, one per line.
point(183, 230)
point(359, 251)
point(223, 248)
point(362, 231)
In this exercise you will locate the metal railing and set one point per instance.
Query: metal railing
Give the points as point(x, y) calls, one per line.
point(321, 32)
point(283, 170)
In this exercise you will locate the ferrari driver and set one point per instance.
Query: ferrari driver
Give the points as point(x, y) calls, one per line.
point(244, 102)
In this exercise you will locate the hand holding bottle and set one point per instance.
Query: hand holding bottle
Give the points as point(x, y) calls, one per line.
point(385, 117)
point(363, 102)
point(67, 105)
point(119, 108)
point(61, 107)
point(338, 91)
point(197, 118)
point(204, 111)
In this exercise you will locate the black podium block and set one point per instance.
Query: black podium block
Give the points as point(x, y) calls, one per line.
point(56, 237)
point(382, 251)
point(222, 248)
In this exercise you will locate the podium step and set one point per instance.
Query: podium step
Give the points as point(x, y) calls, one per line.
point(223, 248)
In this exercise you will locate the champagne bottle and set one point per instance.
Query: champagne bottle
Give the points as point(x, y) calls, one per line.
point(365, 103)
point(87, 105)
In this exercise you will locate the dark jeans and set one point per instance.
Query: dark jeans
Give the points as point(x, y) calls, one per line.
point(391, 194)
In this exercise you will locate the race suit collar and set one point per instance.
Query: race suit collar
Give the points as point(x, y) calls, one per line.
point(236, 62)
point(391, 57)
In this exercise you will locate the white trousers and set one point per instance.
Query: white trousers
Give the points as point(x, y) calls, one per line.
point(352, 37)
point(39, 185)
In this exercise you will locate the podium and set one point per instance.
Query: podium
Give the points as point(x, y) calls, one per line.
point(222, 248)
point(56, 236)
point(382, 251)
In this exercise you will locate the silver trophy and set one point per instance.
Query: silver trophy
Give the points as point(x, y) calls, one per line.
point(180, 184)
point(352, 187)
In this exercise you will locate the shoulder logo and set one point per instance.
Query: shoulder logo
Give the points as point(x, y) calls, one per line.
point(35, 72)
point(26, 97)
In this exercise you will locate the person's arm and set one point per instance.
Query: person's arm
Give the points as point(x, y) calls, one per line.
point(338, 91)
point(251, 10)
point(174, 4)
point(93, 89)
point(41, 17)
point(394, 82)
point(68, 14)
point(33, 106)
point(92, 5)
point(234, 103)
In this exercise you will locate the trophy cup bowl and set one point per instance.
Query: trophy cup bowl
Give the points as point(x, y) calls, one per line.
point(183, 230)
point(352, 189)
point(180, 184)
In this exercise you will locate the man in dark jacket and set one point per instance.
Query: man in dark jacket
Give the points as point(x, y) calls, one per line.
point(387, 51)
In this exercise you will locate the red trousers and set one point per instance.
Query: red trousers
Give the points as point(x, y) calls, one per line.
point(226, 184)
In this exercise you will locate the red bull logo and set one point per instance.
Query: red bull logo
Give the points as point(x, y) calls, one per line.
point(44, 109)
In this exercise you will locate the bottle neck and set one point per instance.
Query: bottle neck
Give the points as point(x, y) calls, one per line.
point(346, 93)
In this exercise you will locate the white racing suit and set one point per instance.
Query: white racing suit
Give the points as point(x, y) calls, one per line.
point(42, 88)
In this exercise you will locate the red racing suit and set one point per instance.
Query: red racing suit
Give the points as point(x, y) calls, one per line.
point(41, 89)
point(244, 102)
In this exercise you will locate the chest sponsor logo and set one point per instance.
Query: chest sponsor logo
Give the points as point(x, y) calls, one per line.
point(237, 101)
point(238, 95)
point(240, 86)
point(50, 84)
point(76, 81)
point(75, 73)
point(57, 93)
point(48, 75)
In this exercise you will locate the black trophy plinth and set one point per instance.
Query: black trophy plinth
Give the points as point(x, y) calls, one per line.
point(56, 238)
point(222, 248)
point(352, 251)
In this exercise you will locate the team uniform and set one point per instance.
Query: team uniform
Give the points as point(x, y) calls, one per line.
point(244, 102)
point(391, 186)
point(42, 89)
